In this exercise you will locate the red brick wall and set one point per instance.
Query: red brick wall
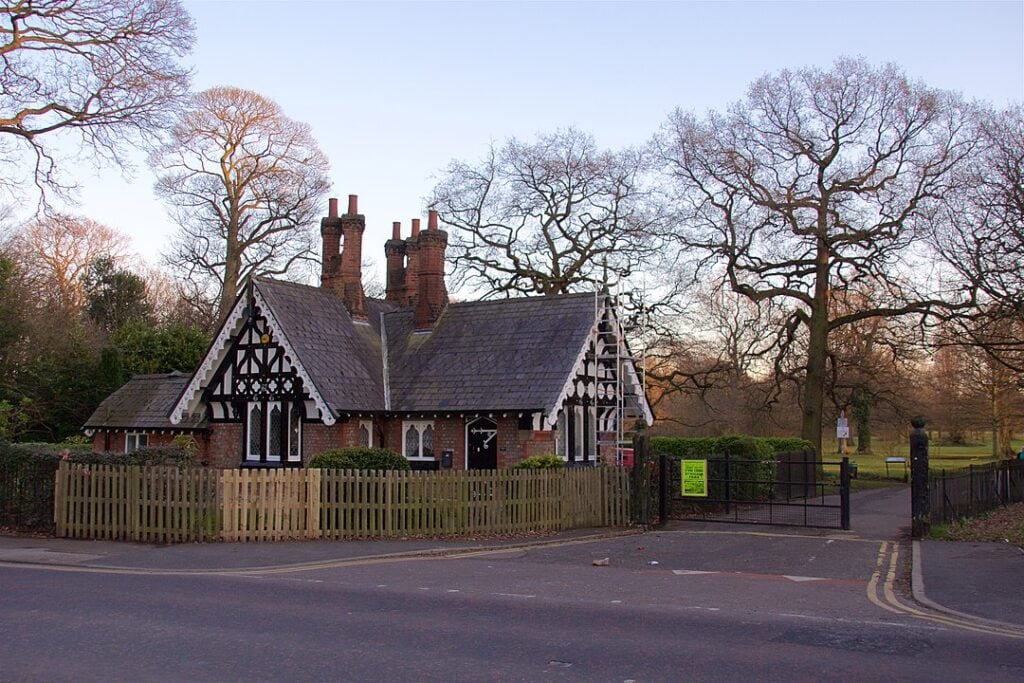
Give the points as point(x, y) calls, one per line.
point(450, 433)
point(223, 445)
point(114, 441)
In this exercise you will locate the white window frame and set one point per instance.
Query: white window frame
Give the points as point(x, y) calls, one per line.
point(420, 426)
point(562, 433)
point(133, 441)
point(287, 409)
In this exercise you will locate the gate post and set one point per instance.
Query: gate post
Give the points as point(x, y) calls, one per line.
point(844, 493)
point(664, 475)
point(919, 501)
point(640, 478)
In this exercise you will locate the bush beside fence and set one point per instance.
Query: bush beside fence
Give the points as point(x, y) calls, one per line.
point(26, 486)
point(167, 504)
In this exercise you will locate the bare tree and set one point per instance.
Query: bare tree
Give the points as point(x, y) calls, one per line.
point(979, 230)
point(55, 252)
point(244, 183)
point(547, 217)
point(101, 73)
point(817, 182)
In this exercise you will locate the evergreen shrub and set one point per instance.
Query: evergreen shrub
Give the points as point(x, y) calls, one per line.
point(361, 459)
point(548, 461)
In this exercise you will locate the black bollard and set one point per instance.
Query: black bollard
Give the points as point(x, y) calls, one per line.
point(920, 506)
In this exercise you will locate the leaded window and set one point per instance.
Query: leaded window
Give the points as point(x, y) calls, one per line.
point(274, 431)
point(418, 442)
point(255, 428)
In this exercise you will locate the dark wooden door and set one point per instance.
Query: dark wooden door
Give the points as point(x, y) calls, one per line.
point(482, 444)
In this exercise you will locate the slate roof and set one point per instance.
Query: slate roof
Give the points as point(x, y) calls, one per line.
point(505, 355)
point(512, 354)
point(342, 357)
point(144, 402)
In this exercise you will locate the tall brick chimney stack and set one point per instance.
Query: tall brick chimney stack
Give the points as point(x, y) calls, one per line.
point(412, 267)
point(353, 224)
point(433, 294)
point(330, 233)
point(394, 254)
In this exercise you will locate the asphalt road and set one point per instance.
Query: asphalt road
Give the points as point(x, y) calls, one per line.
point(671, 606)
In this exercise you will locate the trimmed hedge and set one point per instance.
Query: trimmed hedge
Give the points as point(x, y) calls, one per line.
point(548, 461)
point(27, 474)
point(360, 459)
point(751, 475)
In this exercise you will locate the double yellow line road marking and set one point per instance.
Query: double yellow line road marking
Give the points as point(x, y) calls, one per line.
point(882, 593)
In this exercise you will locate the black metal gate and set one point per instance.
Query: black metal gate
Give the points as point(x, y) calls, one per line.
point(793, 489)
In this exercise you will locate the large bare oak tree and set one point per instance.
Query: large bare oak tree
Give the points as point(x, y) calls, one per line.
point(546, 217)
point(91, 74)
point(820, 181)
point(244, 183)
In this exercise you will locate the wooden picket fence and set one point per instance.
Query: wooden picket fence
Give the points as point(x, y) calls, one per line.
point(168, 504)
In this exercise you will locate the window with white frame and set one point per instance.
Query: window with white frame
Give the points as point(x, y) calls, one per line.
point(575, 439)
point(273, 432)
point(418, 440)
point(133, 441)
point(366, 433)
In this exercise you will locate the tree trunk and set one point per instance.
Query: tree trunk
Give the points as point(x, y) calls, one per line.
point(817, 348)
point(232, 268)
point(862, 418)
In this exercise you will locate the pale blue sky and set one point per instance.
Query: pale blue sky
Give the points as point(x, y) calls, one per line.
point(394, 91)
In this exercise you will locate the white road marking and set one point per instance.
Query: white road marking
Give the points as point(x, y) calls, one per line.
point(689, 572)
point(799, 579)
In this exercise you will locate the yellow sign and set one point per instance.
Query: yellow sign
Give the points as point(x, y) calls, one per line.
point(695, 478)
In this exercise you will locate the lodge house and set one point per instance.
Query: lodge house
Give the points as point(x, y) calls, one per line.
point(296, 370)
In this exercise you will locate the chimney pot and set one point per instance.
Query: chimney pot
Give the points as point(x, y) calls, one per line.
point(332, 207)
point(415, 227)
point(432, 220)
point(353, 204)
point(396, 230)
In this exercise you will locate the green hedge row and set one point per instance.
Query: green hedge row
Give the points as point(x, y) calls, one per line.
point(360, 459)
point(28, 472)
point(751, 477)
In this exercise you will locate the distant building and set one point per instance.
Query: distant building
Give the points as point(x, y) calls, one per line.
point(296, 370)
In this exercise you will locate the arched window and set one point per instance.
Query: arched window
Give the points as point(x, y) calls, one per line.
point(275, 430)
point(418, 443)
point(255, 428)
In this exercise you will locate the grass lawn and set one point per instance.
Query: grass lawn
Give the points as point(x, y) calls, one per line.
point(872, 465)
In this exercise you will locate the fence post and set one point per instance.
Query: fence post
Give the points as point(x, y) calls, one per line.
point(664, 475)
point(59, 507)
point(919, 501)
point(313, 483)
point(844, 493)
point(641, 493)
point(728, 484)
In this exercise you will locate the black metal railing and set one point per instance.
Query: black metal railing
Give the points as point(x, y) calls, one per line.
point(978, 489)
point(792, 489)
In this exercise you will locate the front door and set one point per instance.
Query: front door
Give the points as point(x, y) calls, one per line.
point(482, 444)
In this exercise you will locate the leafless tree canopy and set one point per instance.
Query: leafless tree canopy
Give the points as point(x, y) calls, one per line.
point(819, 181)
point(105, 71)
point(244, 183)
point(547, 217)
point(980, 233)
point(53, 254)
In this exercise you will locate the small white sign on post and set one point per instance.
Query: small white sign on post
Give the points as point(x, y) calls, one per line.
point(842, 428)
point(842, 431)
